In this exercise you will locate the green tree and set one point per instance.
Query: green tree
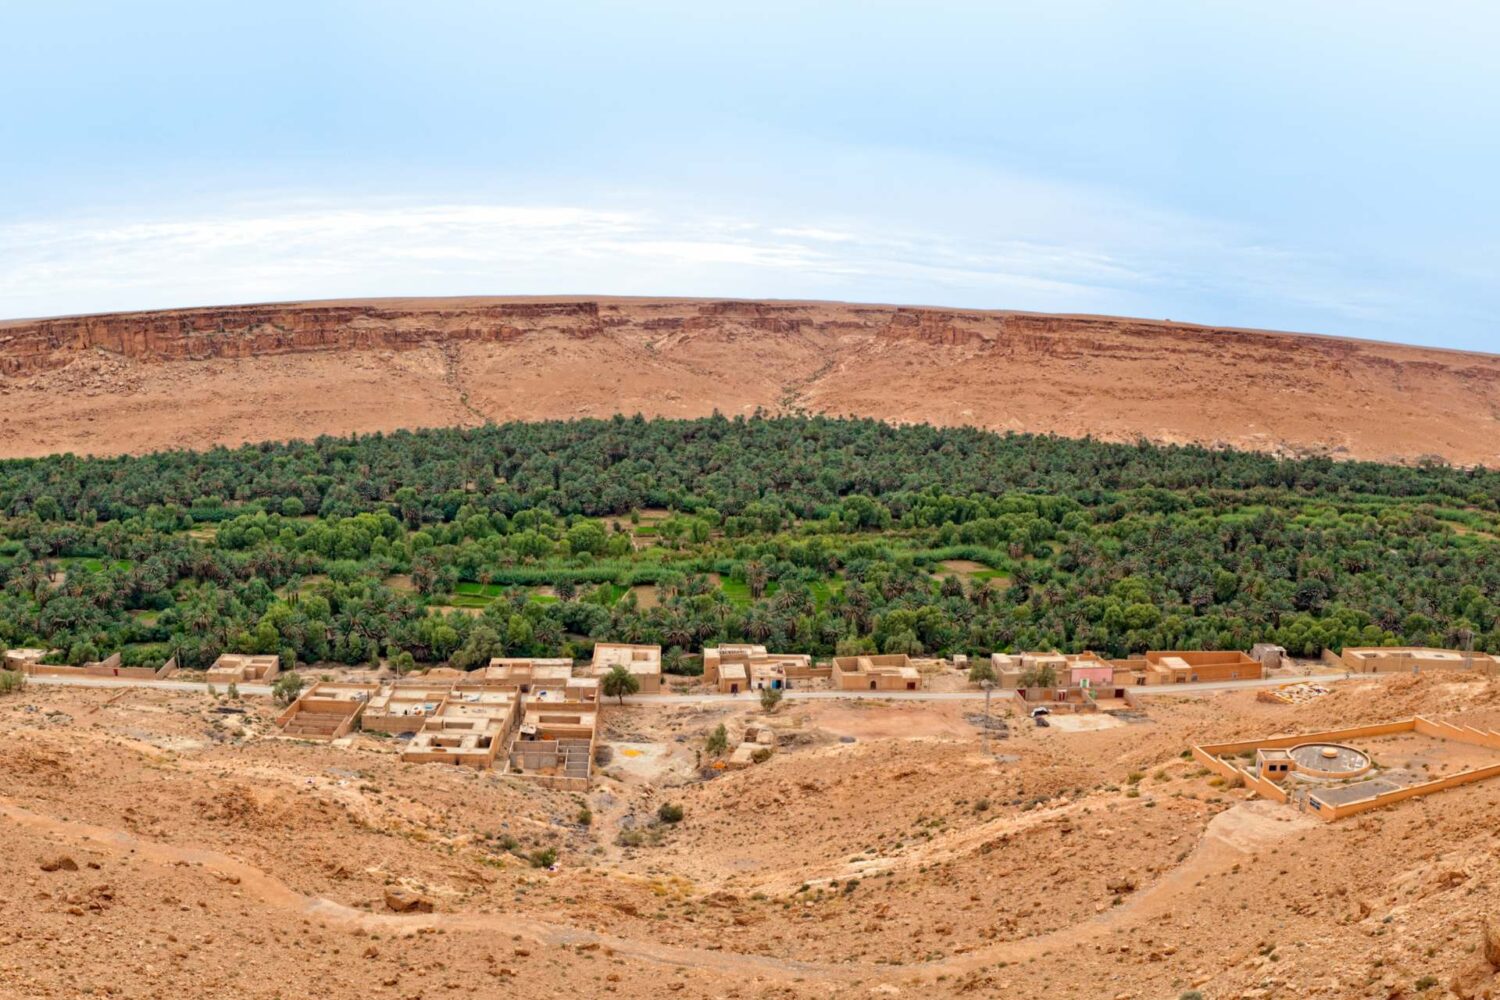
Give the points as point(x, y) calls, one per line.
point(619, 682)
point(287, 687)
point(1041, 676)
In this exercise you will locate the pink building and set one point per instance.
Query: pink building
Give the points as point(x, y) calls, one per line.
point(1101, 676)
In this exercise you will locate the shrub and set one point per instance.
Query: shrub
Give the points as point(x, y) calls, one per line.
point(718, 741)
point(585, 816)
point(287, 687)
point(12, 681)
point(543, 857)
point(1426, 983)
point(770, 698)
point(670, 812)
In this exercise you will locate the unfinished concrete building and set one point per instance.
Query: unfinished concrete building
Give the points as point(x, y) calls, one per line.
point(471, 728)
point(1413, 659)
point(746, 667)
point(326, 711)
point(243, 668)
point(644, 662)
point(887, 672)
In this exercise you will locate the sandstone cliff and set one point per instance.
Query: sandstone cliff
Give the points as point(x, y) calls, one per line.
point(197, 377)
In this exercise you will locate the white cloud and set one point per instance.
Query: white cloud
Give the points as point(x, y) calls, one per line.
point(295, 248)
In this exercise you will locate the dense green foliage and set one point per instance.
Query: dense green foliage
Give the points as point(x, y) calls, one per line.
point(809, 534)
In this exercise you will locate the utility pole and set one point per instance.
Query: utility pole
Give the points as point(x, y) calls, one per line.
point(988, 686)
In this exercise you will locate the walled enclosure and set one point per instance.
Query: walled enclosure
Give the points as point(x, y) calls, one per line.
point(29, 661)
point(1211, 756)
point(326, 711)
point(242, 668)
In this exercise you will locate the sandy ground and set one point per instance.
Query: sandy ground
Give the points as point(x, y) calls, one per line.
point(164, 844)
point(135, 382)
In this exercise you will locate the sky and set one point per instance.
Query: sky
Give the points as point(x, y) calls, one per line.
point(1327, 167)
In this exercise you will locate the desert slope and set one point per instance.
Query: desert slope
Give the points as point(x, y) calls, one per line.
point(130, 382)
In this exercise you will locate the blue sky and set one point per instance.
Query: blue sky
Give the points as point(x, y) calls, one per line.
point(1328, 167)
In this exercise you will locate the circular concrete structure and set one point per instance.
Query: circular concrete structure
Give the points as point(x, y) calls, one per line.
point(1329, 760)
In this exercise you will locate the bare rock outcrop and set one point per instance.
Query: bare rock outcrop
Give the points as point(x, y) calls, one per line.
point(228, 375)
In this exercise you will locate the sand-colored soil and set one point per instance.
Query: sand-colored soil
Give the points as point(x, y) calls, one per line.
point(204, 857)
point(193, 378)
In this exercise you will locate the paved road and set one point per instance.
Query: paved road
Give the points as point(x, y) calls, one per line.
point(969, 695)
point(123, 682)
point(748, 697)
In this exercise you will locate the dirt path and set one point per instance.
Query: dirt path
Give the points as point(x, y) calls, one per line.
point(1228, 838)
point(934, 852)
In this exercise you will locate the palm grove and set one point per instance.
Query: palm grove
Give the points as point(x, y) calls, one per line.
point(810, 534)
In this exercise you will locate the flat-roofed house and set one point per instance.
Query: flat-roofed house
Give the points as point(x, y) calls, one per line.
point(1413, 659)
point(575, 692)
point(517, 674)
point(1194, 666)
point(403, 707)
point(644, 662)
point(1012, 668)
point(470, 729)
point(887, 672)
point(745, 667)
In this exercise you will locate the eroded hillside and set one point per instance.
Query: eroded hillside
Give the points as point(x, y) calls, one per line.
point(132, 382)
point(167, 843)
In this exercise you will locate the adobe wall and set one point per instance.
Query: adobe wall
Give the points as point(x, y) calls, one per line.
point(103, 669)
point(1231, 772)
point(1459, 734)
point(479, 760)
point(1326, 736)
point(1403, 660)
point(1238, 671)
point(1401, 794)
